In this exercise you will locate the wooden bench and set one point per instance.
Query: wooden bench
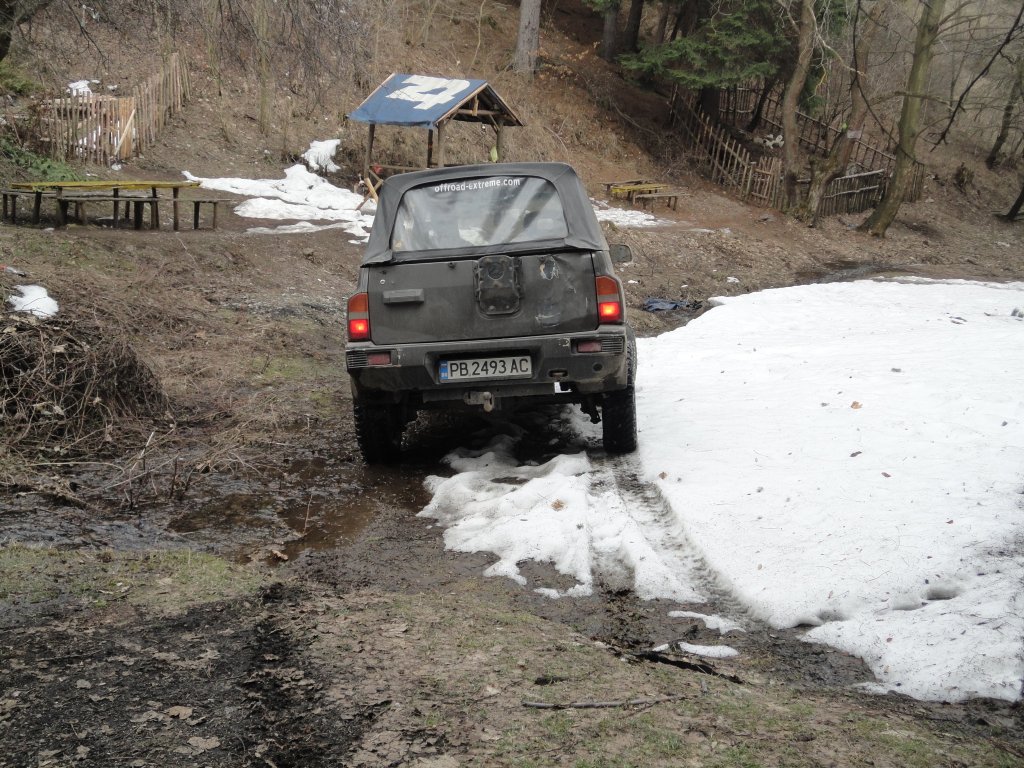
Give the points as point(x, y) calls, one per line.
point(648, 198)
point(133, 205)
point(11, 203)
point(213, 202)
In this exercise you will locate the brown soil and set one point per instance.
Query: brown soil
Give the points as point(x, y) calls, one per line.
point(150, 616)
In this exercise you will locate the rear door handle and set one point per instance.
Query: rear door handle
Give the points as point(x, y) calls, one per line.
point(405, 296)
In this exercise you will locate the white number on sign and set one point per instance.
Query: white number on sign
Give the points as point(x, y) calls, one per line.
point(419, 88)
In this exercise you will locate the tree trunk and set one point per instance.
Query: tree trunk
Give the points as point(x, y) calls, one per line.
point(917, 82)
point(762, 99)
point(631, 35)
point(1014, 212)
point(529, 37)
point(839, 155)
point(790, 102)
point(610, 37)
point(1004, 127)
point(659, 30)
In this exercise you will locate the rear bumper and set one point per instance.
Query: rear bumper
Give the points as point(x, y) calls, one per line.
point(555, 360)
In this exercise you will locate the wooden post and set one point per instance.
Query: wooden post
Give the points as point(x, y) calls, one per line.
point(154, 212)
point(369, 154)
point(174, 207)
point(440, 145)
point(36, 205)
point(62, 208)
point(500, 140)
point(430, 147)
point(195, 214)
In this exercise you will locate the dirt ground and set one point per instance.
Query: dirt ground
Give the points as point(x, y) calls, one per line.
point(224, 583)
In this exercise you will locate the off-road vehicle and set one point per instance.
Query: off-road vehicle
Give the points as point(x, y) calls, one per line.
point(487, 286)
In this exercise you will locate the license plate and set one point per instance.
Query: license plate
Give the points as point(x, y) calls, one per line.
point(517, 366)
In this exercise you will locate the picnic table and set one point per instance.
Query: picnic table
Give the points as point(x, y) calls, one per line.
point(629, 190)
point(116, 193)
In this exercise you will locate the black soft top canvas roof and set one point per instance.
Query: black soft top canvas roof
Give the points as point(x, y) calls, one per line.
point(584, 232)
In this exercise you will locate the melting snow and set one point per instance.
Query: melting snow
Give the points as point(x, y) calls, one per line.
point(846, 456)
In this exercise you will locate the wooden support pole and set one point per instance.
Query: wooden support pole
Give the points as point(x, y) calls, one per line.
point(154, 212)
point(440, 145)
point(500, 140)
point(430, 147)
point(174, 207)
point(369, 153)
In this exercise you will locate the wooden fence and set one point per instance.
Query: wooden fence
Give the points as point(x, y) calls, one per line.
point(727, 162)
point(100, 128)
point(737, 106)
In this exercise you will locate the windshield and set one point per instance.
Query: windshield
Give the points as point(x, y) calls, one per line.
point(478, 212)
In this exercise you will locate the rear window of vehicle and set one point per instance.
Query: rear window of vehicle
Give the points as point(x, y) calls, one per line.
point(493, 210)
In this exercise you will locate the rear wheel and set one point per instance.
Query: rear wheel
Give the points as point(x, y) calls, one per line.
point(618, 411)
point(379, 432)
point(618, 420)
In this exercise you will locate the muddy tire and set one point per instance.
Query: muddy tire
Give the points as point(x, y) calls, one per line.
point(618, 419)
point(618, 411)
point(378, 432)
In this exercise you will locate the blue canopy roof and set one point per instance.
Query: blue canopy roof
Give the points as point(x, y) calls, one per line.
point(420, 100)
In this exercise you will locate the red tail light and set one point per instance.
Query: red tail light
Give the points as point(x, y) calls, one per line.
point(358, 317)
point(609, 299)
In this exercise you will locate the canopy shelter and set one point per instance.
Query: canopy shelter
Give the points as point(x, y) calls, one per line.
point(419, 101)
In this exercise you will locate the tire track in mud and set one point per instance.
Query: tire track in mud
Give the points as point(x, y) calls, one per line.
point(648, 508)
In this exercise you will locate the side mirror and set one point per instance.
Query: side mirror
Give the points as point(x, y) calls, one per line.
point(620, 253)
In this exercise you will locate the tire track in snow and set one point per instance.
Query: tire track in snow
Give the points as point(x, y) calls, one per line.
point(645, 504)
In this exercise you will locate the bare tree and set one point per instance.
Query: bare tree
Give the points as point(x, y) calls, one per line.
point(917, 83)
point(610, 36)
point(839, 154)
point(1011, 103)
point(529, 37)
point(1014, 212)
point(631, 34)
point(805, 29)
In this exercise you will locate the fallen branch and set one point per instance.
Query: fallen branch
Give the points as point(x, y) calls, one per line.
point(604, 704)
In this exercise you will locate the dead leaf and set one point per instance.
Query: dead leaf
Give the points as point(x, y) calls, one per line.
point(855, 405)
point(146, 716)
point(182, 713)
point(557, 504)
point(279, 554)
point(395, 630)
point(886, 474)
point(662, 475)
point(200, 745)
point(83, 684)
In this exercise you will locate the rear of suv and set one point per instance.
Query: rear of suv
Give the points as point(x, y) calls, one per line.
point(487, 287)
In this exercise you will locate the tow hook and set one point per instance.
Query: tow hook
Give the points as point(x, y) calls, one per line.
point(485, 399)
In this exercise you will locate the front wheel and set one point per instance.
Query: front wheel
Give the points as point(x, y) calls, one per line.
point(618, 419)
point(379, 432)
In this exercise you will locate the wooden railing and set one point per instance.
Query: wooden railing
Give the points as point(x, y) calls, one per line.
point(101, 128)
